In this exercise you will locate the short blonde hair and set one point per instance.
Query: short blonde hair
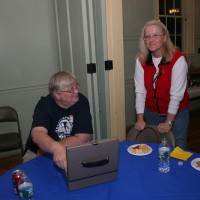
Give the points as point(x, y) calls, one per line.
point(61, 80)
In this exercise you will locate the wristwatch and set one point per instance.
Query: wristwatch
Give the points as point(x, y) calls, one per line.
point(169, 122)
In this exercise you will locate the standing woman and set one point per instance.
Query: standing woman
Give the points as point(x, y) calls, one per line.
point(161, 83)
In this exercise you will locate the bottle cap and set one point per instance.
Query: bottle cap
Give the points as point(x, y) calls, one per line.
point(180, 163)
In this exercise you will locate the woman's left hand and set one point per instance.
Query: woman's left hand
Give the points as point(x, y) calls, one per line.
point(164, 127)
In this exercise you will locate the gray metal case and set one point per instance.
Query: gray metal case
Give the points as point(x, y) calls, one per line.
point(92, 163)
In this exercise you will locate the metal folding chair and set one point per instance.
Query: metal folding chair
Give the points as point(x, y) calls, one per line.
point(10, 139)
point(150, 134)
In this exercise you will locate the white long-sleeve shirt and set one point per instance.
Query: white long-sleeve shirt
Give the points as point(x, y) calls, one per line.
point(178, 84)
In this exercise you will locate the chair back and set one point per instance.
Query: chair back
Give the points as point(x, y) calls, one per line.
point(8, 114)
point(150, 134)
point(10, 140)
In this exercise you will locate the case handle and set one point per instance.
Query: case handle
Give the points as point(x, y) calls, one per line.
point(95, 163)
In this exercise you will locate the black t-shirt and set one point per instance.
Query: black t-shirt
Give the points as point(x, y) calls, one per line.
point(60, 122)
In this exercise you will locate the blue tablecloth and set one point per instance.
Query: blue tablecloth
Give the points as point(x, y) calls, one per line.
point(138, 178)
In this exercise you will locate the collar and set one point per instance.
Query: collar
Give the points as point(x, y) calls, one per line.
point(149, 61)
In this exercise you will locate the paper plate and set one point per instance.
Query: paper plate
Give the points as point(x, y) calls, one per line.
point(130, 150)
point(196, 163)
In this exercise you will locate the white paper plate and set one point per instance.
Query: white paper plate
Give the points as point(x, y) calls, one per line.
point(139, 154)
point(194, 164)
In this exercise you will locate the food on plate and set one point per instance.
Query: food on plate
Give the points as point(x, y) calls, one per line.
point(140, 149)
point(198, 163)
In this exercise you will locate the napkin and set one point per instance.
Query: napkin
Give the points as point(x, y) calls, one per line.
point(180, 154)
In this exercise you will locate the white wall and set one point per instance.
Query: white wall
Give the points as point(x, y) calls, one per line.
point(135, 13)
point(28, 55)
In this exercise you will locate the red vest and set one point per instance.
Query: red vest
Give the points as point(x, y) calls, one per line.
point(157, 100)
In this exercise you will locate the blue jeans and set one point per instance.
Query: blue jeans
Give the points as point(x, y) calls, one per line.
point(180, 125)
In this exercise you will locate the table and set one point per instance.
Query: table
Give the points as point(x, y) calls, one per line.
point(138, 178)
point(194, 93)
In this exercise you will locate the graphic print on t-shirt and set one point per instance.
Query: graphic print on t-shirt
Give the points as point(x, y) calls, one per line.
point(64, 127)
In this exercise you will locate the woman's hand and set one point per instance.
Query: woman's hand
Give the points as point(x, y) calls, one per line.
point(140, 125)
point(164, 127)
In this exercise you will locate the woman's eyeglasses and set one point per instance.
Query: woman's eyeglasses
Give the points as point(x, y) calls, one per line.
point(154, 37)
point(72, 90)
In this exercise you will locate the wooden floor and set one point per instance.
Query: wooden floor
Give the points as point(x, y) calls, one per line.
point(9, 163)
point(193, 143)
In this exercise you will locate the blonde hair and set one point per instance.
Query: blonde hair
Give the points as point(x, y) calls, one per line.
point(61, 80)
point(168, 47)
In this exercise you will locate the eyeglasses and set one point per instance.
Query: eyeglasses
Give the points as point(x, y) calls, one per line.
point(72, 90)
point(154, 37)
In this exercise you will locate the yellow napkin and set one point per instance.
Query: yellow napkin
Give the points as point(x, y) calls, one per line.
point(180, 154)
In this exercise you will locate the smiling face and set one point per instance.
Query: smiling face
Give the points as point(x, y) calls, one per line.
point(154, 40)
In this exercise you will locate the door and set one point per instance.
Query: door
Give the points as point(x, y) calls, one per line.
point(81, 26)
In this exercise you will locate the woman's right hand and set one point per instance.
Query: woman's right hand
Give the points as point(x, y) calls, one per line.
point(140, 125)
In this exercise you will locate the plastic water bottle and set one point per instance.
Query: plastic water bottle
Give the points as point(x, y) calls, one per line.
point(164, 155)
point(25, 188)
